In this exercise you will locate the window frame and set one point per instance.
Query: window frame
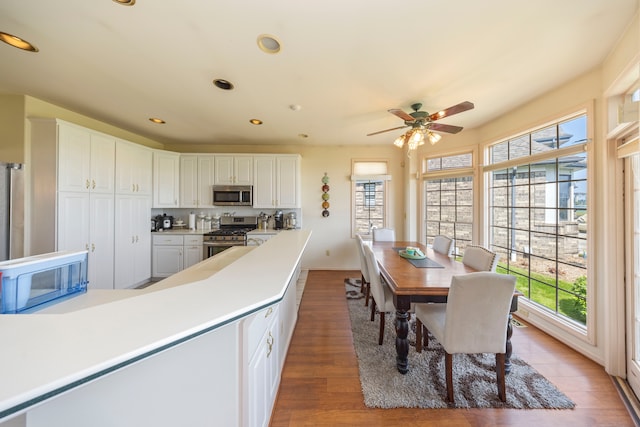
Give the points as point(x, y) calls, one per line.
point(355, 179)
point(528, 308)
point(449, 173)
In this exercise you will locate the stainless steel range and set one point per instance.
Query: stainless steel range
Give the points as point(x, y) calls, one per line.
point(233, 232)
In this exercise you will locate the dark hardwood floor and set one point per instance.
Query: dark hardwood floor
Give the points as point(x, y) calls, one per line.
point(320, 384)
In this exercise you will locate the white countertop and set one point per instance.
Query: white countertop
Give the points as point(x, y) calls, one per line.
point(45, 353)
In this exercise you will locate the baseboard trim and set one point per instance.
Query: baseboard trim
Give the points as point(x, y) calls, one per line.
point(628, 398)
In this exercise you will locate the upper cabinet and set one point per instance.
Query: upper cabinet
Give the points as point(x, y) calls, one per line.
point(133, 169)
point(233, 170)
point(86, 160)
point(277, 181)
point(196, 180)
point(166, 177)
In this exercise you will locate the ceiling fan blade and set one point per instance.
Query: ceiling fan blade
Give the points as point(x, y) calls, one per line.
point(441, 127)
point(458, 108)
point(386, 130)
point(404, 116)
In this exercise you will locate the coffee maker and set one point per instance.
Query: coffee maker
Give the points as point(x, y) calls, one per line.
point(290, 221)
point(278, 220)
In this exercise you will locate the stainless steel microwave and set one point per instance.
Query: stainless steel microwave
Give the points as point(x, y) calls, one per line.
point(233, 195)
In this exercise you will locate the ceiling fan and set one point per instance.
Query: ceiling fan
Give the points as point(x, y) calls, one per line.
point(422, 124)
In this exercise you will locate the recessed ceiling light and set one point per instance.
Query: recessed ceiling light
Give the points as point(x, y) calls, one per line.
point(126, 2)
point(268, 43)
point(17, 42)
point(223, 84)
point(303, 135)
point(157, 120)
point(255, 121)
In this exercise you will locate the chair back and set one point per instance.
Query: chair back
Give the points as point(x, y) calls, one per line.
point(479, 258)
point(364, 269)
point(384, 235)
point(442, 244)
point(375, 282)
point(477, 312)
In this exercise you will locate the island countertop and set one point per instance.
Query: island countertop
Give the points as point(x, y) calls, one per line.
point(45, 354)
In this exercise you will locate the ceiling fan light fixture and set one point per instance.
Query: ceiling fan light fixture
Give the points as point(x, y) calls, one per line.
point(399, 142)
point(434, 137)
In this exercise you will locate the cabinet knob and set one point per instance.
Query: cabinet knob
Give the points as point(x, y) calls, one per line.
point(87, 184)
point(93, 184)
point(137, 188)
point(133, 239)
point(93, 247)
point(269, 312)
point(133, 188)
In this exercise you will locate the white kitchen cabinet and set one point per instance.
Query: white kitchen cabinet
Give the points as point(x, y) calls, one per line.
point(262, 366)
point(193, 252)
point(133, 169)
point(86, 160)
point(132, 241)
point(233, 170)
point(277, 181)
point(166, 179)
point(73, 180)
point(174, 252)
point(196, 181)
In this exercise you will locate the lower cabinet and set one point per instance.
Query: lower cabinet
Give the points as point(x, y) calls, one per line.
point(261, 366)
point(172, 253)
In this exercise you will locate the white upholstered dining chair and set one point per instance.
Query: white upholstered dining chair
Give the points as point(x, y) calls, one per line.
point(381, 295)
point(442, 244)
point(364, 270)
point(473, 320)
point(480, 258)
point(384, 235)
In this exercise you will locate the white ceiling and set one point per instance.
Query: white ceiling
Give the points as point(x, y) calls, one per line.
point(344, 62)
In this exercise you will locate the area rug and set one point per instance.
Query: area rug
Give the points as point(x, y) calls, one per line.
point(424, 385)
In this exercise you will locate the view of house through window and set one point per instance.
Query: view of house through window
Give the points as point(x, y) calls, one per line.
point(449, 199)
point(538, 216)
point(369, 196)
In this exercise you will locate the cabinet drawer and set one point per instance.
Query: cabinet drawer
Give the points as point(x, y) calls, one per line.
point(192, 240)
point(167, 239)
point(257, 325)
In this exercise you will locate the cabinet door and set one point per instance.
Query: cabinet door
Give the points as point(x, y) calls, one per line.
point(103, 152)
point(188, 181)
point(166, 176)
point(288, 182)
point(223, 170)
point(167, 260)
point(73, 221)
point(124, 260)
point(243, 170)
point(74, 159)
point(206, 179)
point(101, 241)
point(192, 255)
point(264, 184)
point(133, 169)
point(142, 245)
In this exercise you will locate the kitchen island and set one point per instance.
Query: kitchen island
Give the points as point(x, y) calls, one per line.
point(203, 350)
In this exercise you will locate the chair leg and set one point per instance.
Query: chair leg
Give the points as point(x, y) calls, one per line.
point(418, 335)
point(373, 309)
point(500, 372)
point(382, 318)
point(448, 365)
point(367, 294)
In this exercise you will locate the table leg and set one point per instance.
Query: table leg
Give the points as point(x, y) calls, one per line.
point(402, 343)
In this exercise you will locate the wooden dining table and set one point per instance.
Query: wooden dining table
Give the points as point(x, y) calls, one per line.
point(411, 284)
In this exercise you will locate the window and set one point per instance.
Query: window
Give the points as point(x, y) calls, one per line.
point(448, 196)
point(537, 209)
point(369, 195)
